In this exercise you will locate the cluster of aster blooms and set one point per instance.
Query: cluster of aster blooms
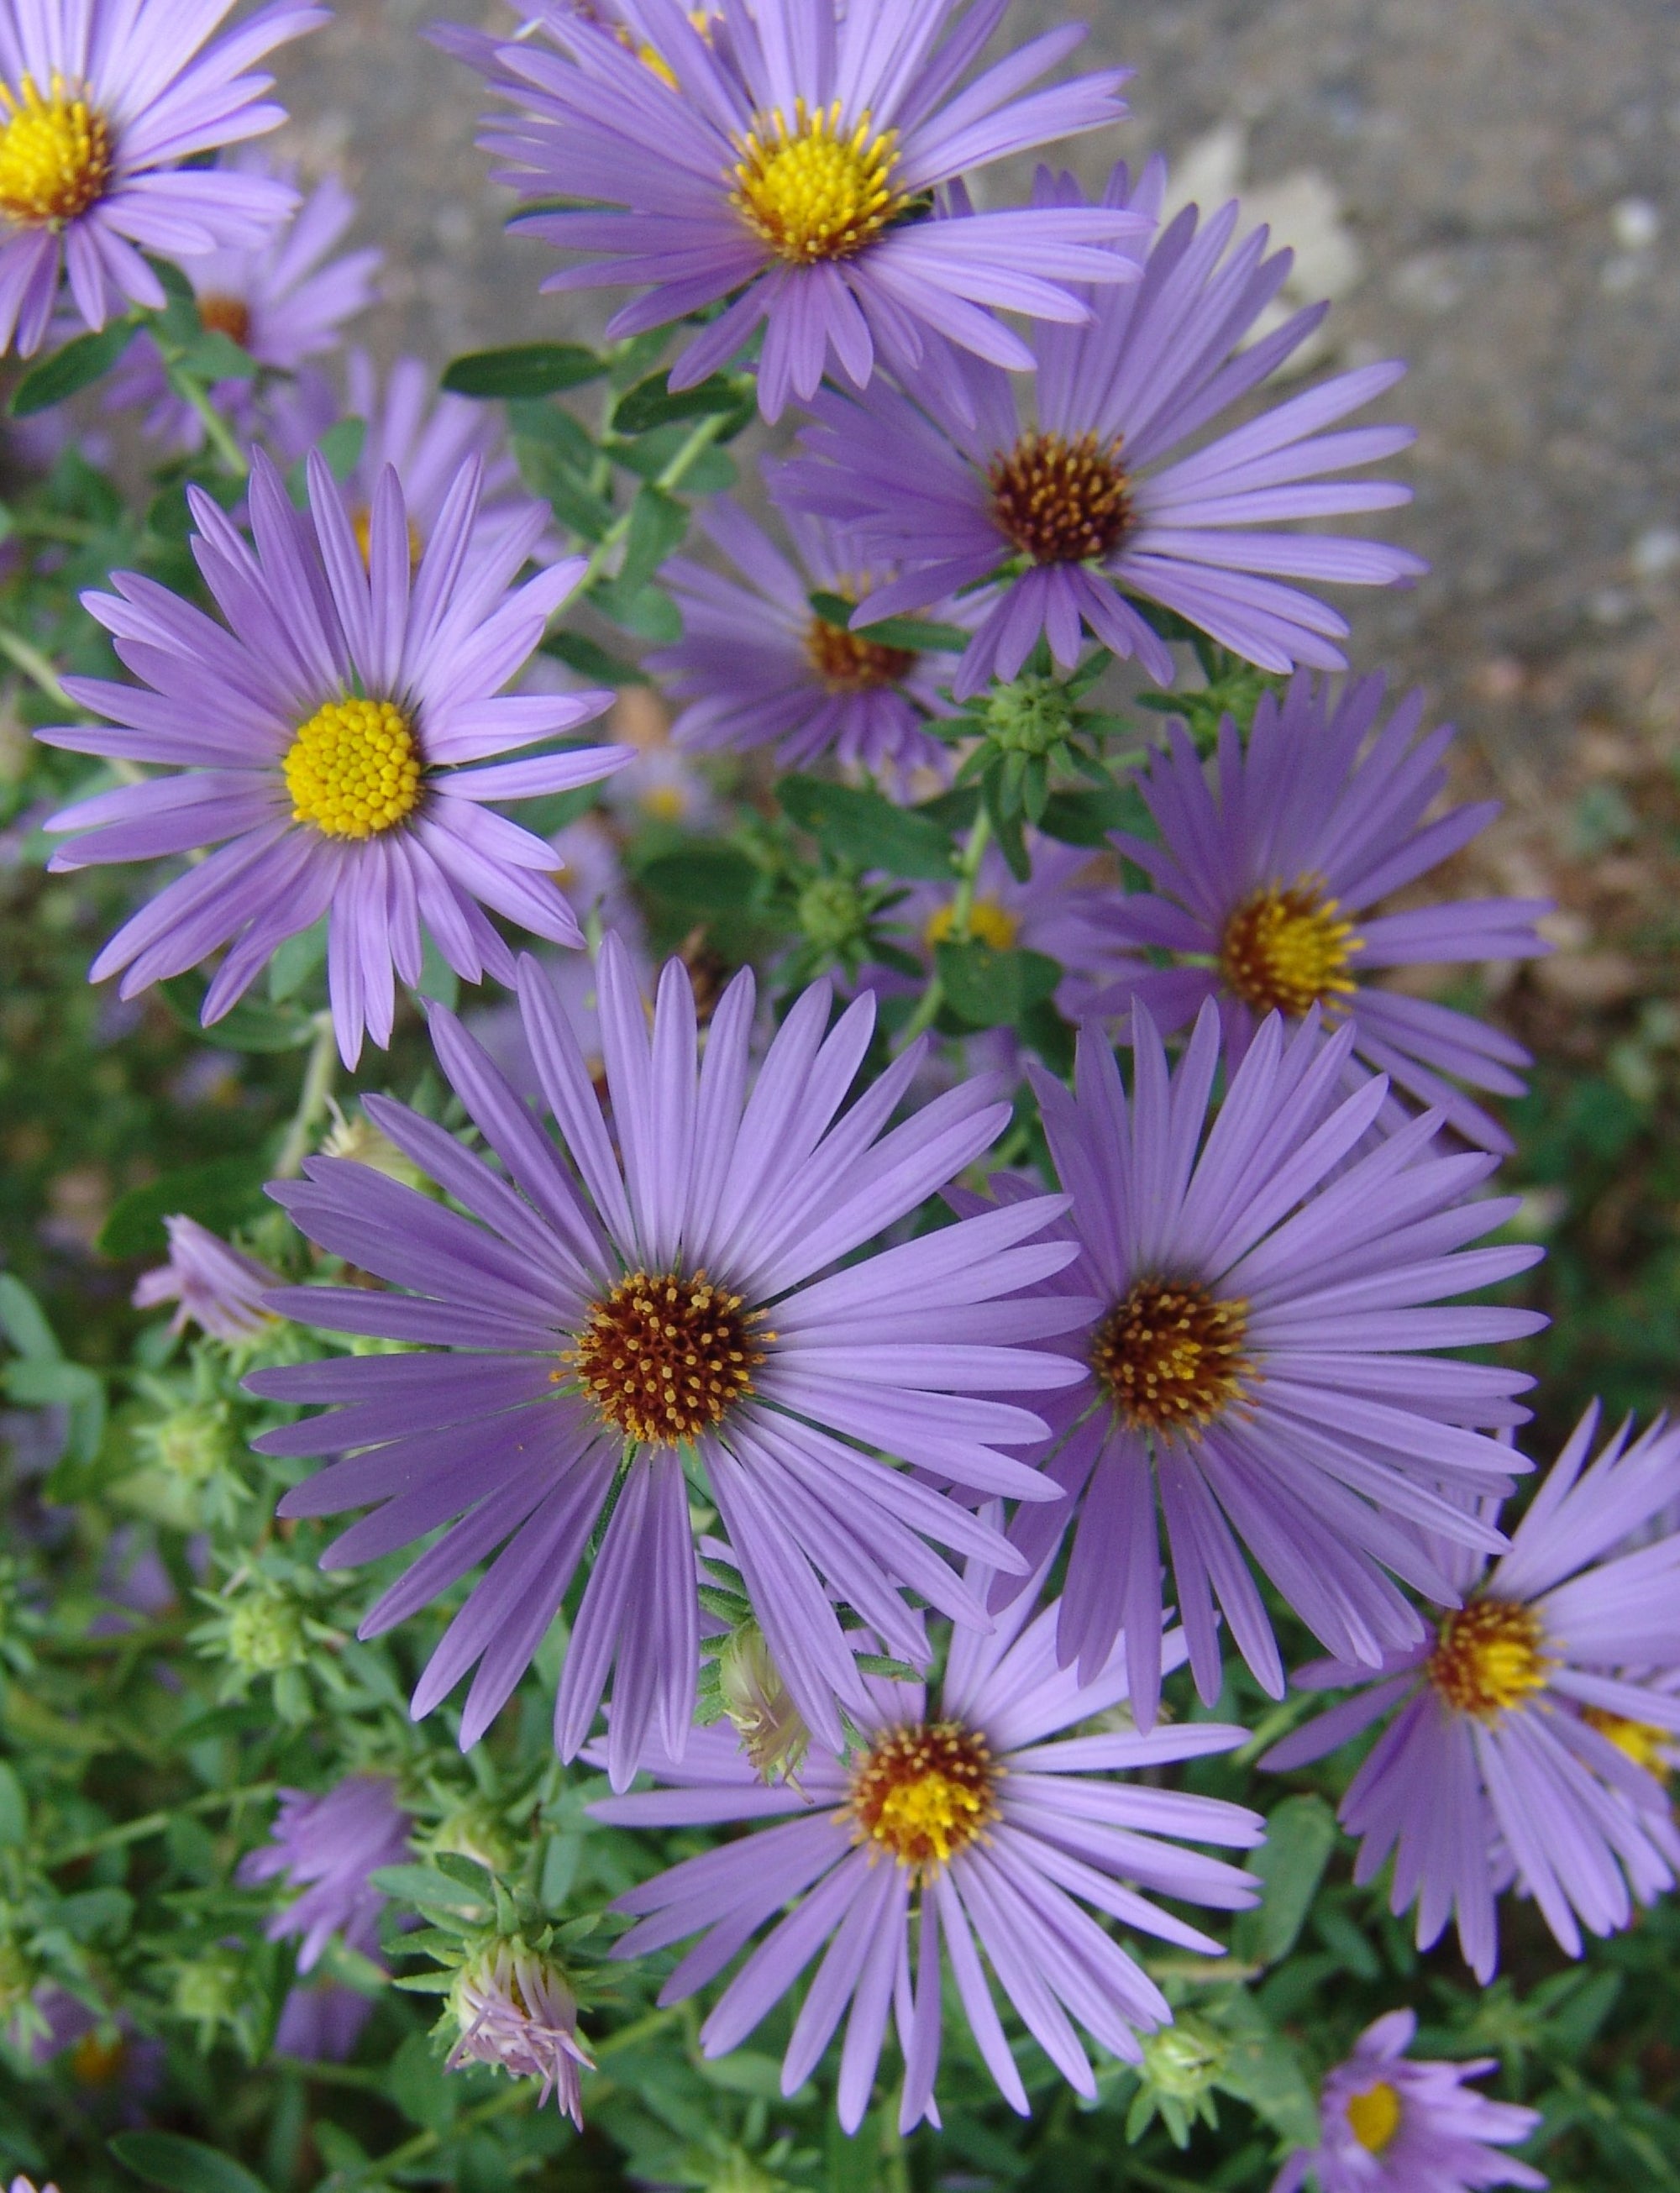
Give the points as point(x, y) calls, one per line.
point(858, 1362)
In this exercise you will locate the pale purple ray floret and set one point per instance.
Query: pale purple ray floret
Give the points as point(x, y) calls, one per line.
point(1532, 1728)
point(211, 1283)
point(327, 1846)
point(1262, 1373)
point(328, 731)
point(786, 158)
point(676, 1290)
point(1077, 489)
point(756, 666)
point(102, 103)
point(1389, 2123)
point(972, 1825)
point(1266, 882)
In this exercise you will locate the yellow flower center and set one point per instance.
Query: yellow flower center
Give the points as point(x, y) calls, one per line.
point(924, 1792)
point(1488, 1657)
point(361, 524)
point(354, 769)
point(990, 922)
point(1640, 1741)
point(1287, 949)
point(54, 153)
point(1060, 501)
point(665, 1356)
point(1171, 1356)
point(1373, 2117)
point(852, 662)
point(815, 191)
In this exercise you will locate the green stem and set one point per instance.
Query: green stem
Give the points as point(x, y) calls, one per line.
point(25, 655)
point(701, 438)
point(311, 1102)
point(962, 923)
point(133, 1831)
point(217, 431)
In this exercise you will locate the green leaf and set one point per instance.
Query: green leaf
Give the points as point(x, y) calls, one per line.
point(1085, 817)
point(80, 364)
point(589, 660)
point(37, 1382)
point(341, 445)
point(523, 370)
point(25, 1321)
point(220, 1194)
point(648, 611)
point(415, 2083)
point(425, 1887)
point(657, 524)
point(867, 829)
point(653, 402)
point(296, 961)
point(250, 1026)
point(703, 880)
point(13, 1809)
point(918, 634)
point(213, 356)
point(989, 988)
point(181, 2165)
point(1300, 1835)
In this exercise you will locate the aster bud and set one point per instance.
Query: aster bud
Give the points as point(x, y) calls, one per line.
point(1183, 2060)
point(354, 1136)
point(1033, 715)
point(266, 1633)
point(194, 1444)
point(833, 915)
point(772, 1733)
point(514, 2008)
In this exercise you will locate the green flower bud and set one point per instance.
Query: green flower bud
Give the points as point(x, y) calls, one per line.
point(832, 914)
point(266, 1633)
point(1033, 716)
point(193, 1444)
point(1182, 2061)
point(772, 1734)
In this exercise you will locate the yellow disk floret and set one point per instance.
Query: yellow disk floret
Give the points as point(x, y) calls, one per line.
point(1373, 2117)
point(1288, 948)
point(1489, 1657)
point(989, 921)
point(54, 153)
point(817, 191)
point(354, 769)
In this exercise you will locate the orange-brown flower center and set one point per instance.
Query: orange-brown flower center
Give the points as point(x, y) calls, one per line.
point(226, 316)
point(923, 1792)
point(1171, 1356)
point(1060, 501)
point(664, 1356)
point(1286, 948)
point(852, 662)
point(1488, 1657)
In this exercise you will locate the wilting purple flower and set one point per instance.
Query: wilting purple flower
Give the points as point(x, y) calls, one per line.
point(213, 1284)
point(329, 1846)
point(324, 730)
point(756, 666)
point(282, 301)
point(1263, 884)
point(1254, 1366)
point(1387, 2125)
point(517, 2011)
point(792, 159)
point(1085, 500)
point(661, 1299)
point(101, 103)
point(1528, 1722)
point(968, 1811)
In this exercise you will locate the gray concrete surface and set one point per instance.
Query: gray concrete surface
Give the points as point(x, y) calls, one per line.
point(1510, 171)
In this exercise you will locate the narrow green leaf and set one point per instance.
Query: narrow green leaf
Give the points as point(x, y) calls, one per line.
point(181, 2165)
point(1300, 1835)
point(81, 362)
point(918, 634)
point(220, 1195)
point(657, 524)
point(989, 988)
point(867, 829)
point(703, 880)
point(25, 1321)
point(1086, 816)
point(523, 370)
point(653, 402)
point(589, 660)
point(425, 1887)
point(213, 356)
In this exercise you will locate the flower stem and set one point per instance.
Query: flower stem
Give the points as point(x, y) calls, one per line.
point(217, 431)
point(311, 1102)
point(963, 924)
point(701, 438)
point(133, 1831)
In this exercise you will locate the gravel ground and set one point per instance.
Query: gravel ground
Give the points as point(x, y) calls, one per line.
point(1494, 186)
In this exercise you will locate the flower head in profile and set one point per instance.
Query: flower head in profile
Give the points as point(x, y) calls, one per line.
point(972, 1825)
point(515, 2010)
point(1389, 2124)
point(282, 301)
point(1530, 1735)
point(102, 106)
point(757, 666)
point(684, 1287)
point(323, 737)
point(1089, 496)
point(1265, 885)
point(212, 1284)
point(328, 1847)
point(1261, 1373)
point(790, 166)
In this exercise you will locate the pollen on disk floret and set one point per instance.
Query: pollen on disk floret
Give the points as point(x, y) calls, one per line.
point(923, 1792)
point(818, 189)
point(667, 1355)
point(55, 152)
point(354, 769)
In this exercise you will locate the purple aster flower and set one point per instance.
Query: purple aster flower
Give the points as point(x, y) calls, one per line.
point(100, 104)
point(756, 666)
point(1254, 1368)
point(664, 1302)
point(516, 2010)
point(324, 732)
point(426, 437)
point(329, 1846)
point(1527, 1722)
point(1043, 914)
point(213, 1284)
point(1264, 883)
point(1088, 497)
point(321, 2021)
point(1389, 2126)
point(283, 299)
point(786, 162)
point(946, 1823)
